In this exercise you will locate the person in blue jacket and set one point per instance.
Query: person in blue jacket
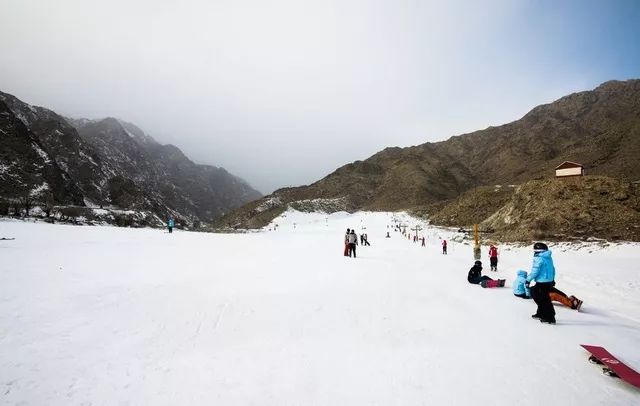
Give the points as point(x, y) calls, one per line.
point(543, 273)
point(170, 224)
point(520, 288)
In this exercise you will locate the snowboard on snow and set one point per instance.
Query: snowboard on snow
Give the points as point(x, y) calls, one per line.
point(346, 250)
point(6, 239)
point(611, 365)
point(492, 284)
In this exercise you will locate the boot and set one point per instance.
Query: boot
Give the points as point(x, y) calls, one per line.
point(575, 303)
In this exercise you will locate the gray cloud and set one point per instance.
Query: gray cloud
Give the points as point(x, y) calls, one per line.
point(283, 92)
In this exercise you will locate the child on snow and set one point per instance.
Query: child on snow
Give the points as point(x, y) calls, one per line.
point(493, 257)
point(520, 288)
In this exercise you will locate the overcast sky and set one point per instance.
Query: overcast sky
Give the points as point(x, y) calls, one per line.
point(283, 92)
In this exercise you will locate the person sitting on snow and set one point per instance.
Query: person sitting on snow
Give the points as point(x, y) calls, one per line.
point(475, 274)
point(520, 289)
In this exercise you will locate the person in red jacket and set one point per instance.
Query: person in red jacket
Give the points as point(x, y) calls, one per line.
point(493, 257)
point(444, 247)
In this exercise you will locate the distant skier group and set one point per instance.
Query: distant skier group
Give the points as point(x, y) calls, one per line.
point(542, 276)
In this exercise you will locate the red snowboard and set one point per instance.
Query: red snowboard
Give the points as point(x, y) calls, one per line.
point(613, 366)
point(346, 249)
point(492, 284)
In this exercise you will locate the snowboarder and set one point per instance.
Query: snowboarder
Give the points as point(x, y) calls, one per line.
point(543, 274)
point(475, 275)
point(444, 247)
point(170, 225)
point(365, 240)
point(353, 241)
point(388, 236)
point(521, 290)
point(559, 296)
point(493, 257)
point(423, 243)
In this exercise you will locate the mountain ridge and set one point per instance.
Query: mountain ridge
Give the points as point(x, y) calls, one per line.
point(599, 128)
point(109, 162)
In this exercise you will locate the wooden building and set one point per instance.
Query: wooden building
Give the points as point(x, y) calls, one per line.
point(568, 168)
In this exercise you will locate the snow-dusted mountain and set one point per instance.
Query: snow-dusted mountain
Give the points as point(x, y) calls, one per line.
point(108, 162)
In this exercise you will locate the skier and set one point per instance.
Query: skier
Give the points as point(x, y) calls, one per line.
point(353, 241)
point(444, 247)
point(423, 244)
point(543, 274)
point(475, 275)
point(366, 240)
point(170, 225)
point(493, 257)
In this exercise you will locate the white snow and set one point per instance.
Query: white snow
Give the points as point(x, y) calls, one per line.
point(88, 158)
point(37, 190)
point(40, 151)
point(268, 204)
point(104, 315)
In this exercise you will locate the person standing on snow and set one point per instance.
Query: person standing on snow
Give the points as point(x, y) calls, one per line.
point(346, 242)
point(353, 241)
point(444, 247)
point(493, 257)
point(170, 225)
point(543, 273)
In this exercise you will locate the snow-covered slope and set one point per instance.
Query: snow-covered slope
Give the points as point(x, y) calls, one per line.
point(101, 315)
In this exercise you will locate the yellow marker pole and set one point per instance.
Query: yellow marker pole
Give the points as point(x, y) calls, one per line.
point(475, 234)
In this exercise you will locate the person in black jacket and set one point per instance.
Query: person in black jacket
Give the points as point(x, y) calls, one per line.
point(475, 274)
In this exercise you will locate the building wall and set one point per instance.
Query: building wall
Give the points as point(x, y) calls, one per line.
point(568, 172)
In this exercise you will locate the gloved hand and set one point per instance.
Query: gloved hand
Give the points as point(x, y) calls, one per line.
point(527, 283)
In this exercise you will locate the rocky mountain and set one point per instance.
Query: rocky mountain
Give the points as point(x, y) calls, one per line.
point(100, 163)
point(550, 209)
point(598, 128)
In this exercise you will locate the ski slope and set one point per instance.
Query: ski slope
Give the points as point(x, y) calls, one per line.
point(114, 316)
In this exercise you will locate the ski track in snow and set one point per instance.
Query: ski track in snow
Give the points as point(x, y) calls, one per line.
point(103, 315)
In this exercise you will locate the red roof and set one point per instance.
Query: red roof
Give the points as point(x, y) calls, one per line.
point(568, 164)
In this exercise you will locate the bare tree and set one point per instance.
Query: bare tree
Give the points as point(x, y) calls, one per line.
point(26, 201)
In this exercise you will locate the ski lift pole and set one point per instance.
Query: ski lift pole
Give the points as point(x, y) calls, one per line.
point(476, 246)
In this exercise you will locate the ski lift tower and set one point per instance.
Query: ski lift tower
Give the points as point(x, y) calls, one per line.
point(416, 229)
point(404, 228)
